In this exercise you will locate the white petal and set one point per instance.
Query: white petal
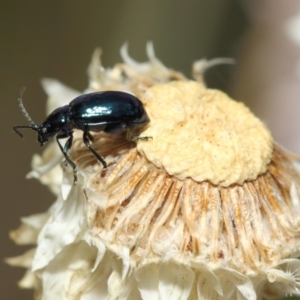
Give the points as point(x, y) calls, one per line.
point(119, 288)
point(175, 281)
point(28, 232)
point(23, 260)
point(150, 50)
point(130, 61)
point(208, 284)
point(202, 65)
point(286, 280)
point(100, 247)
point(67, 226)
point(28, 281)
point(69, 275)
point(59, 94)
point(46, 167)
point(235, 282)
point(148, 279)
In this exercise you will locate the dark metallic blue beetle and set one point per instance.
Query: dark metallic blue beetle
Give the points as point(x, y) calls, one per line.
point(110, 111)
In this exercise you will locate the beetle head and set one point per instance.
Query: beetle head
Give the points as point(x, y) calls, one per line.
point(49, 128)
point(55, 123)
point(43, 135)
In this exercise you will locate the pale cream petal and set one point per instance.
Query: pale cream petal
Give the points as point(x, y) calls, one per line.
point(235, 285)
point(147, 277)
point(202, 65)
point(208, 284)
point(68, 275)
point(29, 281)
point(28, 232)
point(66, 227)
point(24, 260)
point(175, 281)
point(58, 93)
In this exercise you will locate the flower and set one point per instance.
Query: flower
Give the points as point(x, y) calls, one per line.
point(206, 209)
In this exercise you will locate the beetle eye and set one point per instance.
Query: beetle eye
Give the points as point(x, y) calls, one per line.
point(44, 130)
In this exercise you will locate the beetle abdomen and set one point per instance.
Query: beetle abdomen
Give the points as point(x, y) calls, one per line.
point(96, 110)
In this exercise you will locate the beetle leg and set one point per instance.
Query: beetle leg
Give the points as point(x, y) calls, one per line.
point(65, 149)
point(91, 138)
point(134, 138)
point(86, 140)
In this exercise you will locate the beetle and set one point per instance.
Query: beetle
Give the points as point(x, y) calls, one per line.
point(108, 111)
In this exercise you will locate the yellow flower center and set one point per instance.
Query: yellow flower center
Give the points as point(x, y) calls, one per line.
point(203, 134)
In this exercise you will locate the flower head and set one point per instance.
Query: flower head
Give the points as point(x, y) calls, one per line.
point(206, 209)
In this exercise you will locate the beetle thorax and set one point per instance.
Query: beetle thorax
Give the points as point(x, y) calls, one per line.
point(56, 123)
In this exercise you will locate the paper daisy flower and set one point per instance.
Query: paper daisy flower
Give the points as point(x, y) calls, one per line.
point(206, 209)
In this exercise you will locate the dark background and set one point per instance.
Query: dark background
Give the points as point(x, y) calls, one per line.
point(56, 39)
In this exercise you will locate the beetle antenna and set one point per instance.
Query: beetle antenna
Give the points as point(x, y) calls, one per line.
point(25, 113)
point(15, 128)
